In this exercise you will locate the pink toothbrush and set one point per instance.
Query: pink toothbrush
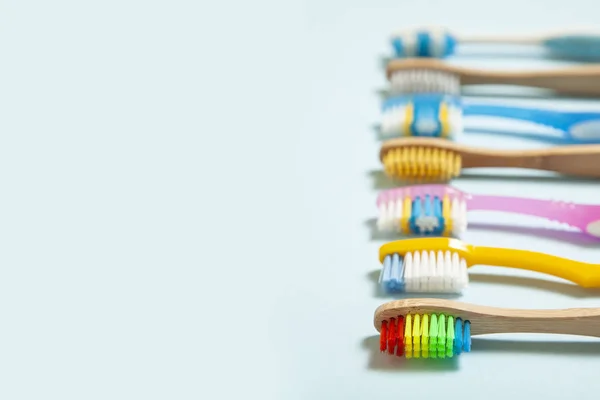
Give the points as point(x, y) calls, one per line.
point(441, 210)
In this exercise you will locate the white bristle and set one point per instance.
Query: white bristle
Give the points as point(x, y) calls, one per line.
point(408, 272)
point(456, 121)
point(424, 81)
point(393, 120)
point(431, 272)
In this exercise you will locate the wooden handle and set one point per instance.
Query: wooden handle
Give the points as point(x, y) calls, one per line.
point(580, 160)
point(578, 81)
point(488, 320)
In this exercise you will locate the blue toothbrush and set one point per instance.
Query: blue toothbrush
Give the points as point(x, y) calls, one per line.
point(439, 43)
point(441, 115)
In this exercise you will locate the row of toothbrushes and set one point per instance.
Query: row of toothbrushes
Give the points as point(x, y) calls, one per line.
point(422, 114)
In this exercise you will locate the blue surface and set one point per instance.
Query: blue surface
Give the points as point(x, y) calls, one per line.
point(185, 194)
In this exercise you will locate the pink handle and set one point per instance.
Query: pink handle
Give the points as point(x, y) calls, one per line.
point(581, 216)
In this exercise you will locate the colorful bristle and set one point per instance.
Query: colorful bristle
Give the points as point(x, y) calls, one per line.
point(424, 272)
point(425, 336)
point(424, 115)
point(427, 211)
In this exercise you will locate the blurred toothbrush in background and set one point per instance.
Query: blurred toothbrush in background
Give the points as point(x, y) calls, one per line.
point(436, 42)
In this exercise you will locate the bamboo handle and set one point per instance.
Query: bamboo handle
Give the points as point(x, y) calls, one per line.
point(580, 160)
point(583, 274)
point(581, 80)
point(489, 320)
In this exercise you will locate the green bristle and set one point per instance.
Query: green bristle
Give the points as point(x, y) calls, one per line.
point(441, 337)
point(433, 332)
point(450, 337)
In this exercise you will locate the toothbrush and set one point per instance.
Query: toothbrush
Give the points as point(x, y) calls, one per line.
point(439, 265)
point(426, 75)
point(432, 159)
point(437, 328)
point(441, 210)
point(440, 43)
point(441, 115)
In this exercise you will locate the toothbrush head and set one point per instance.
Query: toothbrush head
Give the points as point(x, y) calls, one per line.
point(419, 75)
point(421, 159)
point(412, 329)
point(427, 210)
point(425, 114)
point(423, 42)
point(426, 265)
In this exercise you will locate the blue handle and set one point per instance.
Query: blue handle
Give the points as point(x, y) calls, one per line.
point(578, 127)
point(576, 47)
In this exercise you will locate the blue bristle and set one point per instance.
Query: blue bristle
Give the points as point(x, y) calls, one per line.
point(450, 45)
point(430, 208)
point(437, 209)
point(416, 212)
point(427, 206)
point(392, 280)
point(426, 111)
point(467, 336)
point(398, 47)
point(458, 336)
point(423, 44)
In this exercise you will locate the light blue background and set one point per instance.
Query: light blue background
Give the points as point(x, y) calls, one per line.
point(184, 194)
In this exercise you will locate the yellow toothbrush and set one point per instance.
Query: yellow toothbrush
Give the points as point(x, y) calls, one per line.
point(439, 265)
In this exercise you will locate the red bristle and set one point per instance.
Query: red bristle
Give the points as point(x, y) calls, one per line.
point(392, 336)
point(400, 335)
point(383, 336)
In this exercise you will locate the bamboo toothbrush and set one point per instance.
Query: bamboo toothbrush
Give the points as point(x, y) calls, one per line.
point(436, 328)
point(423, 75)
point(430, 159)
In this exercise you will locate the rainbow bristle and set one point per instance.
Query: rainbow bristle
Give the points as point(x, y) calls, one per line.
point(425, 336)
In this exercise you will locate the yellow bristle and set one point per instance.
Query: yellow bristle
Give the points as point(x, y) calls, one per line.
point(406, 213)
point(416, 340)
point(408, 337)
point(425, 336)
point(422, 163)
point(447, 214)
point(409, 118)
point(444, 119)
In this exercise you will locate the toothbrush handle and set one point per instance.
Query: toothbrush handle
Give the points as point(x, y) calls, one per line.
point(580, 80)
point(579, 160)
point(583, 274)
point(580, 216)
point(576, 126)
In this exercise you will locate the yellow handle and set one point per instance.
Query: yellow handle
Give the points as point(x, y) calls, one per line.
point(584, 274)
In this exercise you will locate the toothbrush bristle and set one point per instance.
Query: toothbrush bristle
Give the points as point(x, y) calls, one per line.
point(424, 272)
point(422, 163)
point(425, 210)
point(424, 81)
point(425, 336)
point(424, 42)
